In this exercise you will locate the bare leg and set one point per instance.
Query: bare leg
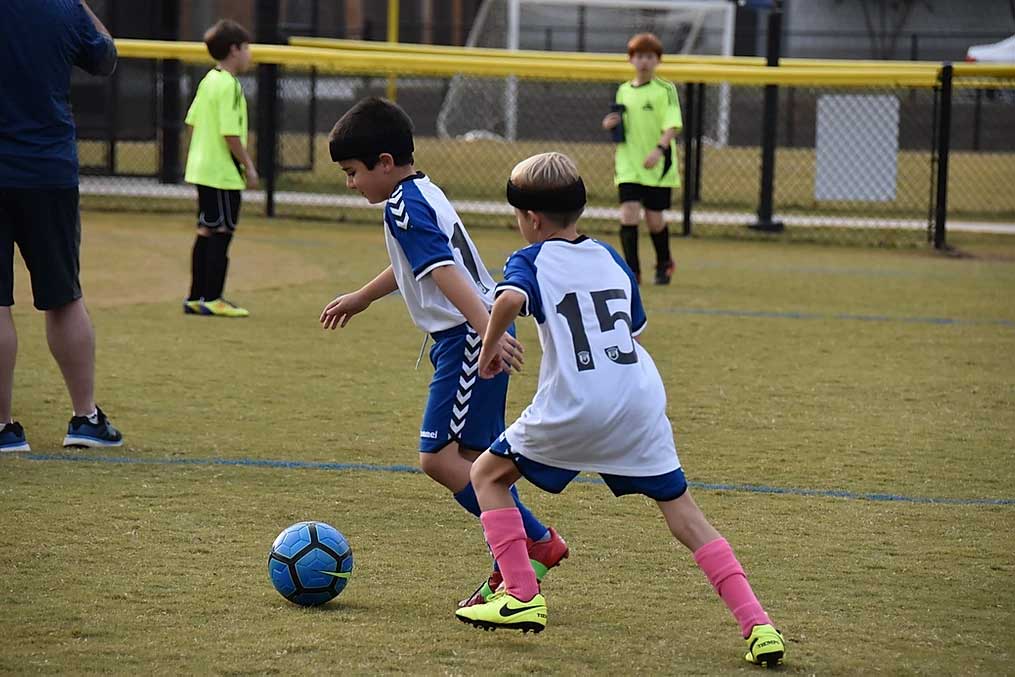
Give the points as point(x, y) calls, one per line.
point(492, 477)
point(716, 560)
point(450, 466)
point(630, 212)
point(687, 523)
point(8, 354)
point(72, 343)
point(654, 220)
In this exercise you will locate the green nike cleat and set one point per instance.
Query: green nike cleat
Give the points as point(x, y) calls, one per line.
point(506, 611)
point(765, 646)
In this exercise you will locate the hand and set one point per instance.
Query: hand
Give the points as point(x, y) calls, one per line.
point(506, 355)
point(611, 120)
point(338, 313)
point(511, 352)
point(252, 177)
point(652, 159)
point(490, 363)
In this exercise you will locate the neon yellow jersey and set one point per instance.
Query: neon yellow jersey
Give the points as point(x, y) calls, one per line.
point(650, 109)
point(219, 110)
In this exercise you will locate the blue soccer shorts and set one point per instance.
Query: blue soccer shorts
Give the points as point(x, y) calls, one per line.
point(665, 487)
point(461, 407)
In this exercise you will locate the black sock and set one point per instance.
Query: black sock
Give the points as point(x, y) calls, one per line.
point(198, 268)
point(629, 242)
point(218, 261)
point(661, 241)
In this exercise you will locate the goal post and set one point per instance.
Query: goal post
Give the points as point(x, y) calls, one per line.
point(490, 109)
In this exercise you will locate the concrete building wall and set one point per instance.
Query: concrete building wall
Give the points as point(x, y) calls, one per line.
point(943, 28)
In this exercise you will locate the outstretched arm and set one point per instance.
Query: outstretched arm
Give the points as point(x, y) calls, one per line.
point(343, 307)
point(505, 310)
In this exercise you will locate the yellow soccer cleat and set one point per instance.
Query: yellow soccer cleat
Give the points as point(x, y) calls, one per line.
point(195, 307)
point(222, 308)
point(765, 646)
point(505, 611)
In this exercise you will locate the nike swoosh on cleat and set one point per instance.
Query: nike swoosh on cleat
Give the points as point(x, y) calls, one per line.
point(336, 574)
point(507, 611)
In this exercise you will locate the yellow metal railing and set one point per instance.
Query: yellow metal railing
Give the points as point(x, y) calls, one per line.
point(406, 61)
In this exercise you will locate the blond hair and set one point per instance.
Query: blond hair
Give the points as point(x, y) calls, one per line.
point(548, 171)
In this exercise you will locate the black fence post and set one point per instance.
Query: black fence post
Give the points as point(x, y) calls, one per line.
point(689, 157)
point(267, 103)
point(768, 127)
point(699, 126)
point(944, 131)
point(171, 122)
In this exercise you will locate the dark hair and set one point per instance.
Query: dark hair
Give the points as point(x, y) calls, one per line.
point(371, 127)
point(223, 35)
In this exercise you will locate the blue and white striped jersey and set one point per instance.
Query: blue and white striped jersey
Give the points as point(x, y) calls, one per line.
point(600, 405)
point(423, 232)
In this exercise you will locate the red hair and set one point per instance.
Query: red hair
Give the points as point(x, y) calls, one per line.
point(644, 42)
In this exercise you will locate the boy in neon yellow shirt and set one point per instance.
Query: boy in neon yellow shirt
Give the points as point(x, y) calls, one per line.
point(647, 169)
point(219, 165)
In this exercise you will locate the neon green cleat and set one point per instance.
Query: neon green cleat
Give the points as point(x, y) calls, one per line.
point(222, 308)
point(505, 611)
point(195, 307)
point(765, 646)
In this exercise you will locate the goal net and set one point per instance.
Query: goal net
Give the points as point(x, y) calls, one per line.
point(476, 108)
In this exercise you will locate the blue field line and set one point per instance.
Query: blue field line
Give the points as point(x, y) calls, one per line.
point(369, 467)
point(793, 315)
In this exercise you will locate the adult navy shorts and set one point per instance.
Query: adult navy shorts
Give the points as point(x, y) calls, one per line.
point(46, 225)
point(665, 487)
point(655, 198)
point(218, 209)
point(461, 407)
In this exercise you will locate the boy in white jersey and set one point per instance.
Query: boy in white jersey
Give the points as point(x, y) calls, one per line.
point(600, 405)
point(448, 292)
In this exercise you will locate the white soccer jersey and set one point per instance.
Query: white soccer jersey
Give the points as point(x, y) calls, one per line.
point(600, 405)
point(423, 232)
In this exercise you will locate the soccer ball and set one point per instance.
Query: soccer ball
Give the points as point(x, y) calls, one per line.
point(310, 563)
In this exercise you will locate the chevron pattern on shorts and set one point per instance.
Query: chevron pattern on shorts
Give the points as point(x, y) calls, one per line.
point(466, 380)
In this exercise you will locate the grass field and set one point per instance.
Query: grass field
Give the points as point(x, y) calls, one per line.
point(885, 377)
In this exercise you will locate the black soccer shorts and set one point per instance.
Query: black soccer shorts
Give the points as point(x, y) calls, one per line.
point(218, 208)
point(46, 225)
point(655, 198)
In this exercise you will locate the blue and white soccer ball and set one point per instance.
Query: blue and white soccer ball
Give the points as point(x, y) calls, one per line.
point(310, 563)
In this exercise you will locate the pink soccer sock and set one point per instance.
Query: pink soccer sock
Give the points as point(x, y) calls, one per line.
point(506, 535)
point(724, 572)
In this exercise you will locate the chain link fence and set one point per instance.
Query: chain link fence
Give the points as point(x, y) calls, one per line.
point(852, 166)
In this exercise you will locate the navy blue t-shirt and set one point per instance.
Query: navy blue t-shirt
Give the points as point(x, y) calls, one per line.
point(40, 41)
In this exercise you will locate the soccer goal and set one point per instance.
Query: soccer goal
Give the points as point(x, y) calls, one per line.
point(488, 108)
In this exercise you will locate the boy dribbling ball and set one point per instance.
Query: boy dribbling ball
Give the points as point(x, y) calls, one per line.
point(570, 284)
point(448, 291)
